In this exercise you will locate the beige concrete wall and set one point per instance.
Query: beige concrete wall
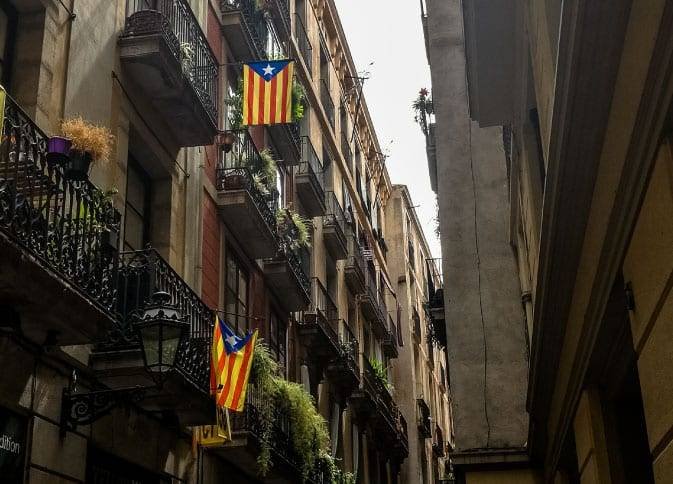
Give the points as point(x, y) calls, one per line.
point(590, 442)
point(648, 266)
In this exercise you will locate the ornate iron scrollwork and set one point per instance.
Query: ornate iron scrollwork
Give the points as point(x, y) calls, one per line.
point(85, 408)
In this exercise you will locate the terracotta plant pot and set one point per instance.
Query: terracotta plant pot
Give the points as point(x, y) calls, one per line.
point(58, 150)
point(78, 165)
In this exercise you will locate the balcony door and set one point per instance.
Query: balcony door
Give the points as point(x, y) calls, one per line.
point(137, 214)
point(236, 294)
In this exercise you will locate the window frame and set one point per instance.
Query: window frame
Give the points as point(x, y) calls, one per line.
point(146, 217)
point(231, 257)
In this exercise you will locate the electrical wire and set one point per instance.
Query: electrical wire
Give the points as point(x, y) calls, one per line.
point(71, 15)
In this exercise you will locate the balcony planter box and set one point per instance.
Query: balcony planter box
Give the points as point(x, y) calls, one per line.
point(58, 150)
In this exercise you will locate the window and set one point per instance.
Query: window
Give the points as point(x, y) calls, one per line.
point(137, 210)
point(277, 337)
point(236, 295)
point(8, 24)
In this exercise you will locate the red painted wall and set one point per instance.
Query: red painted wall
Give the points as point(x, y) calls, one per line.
point(211, 253)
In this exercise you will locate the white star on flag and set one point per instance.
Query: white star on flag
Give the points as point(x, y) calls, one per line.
point(268, 70)
point(231, 339)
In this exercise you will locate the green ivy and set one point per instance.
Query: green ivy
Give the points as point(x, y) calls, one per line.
point(285, 217)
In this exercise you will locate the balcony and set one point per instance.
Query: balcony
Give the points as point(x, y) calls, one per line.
point(343, 372)
point(327, 103)
point(58, 237)
point(309, 180)
point(247, 429)
point(355, 268)
point(118, 362)
point(365, 399)
point(373, 306)
point(334, 228)
point(436, 313)
point(287, 140)
point(423, 417)
point(287, 272)
point(430, 341)
point(417, 325)
point(242, 201)
point(318, 330)
point(165, 52)
point(438, 445)
point(389, 342)
point(250, 31)
point(346, 148)
point(303, 43)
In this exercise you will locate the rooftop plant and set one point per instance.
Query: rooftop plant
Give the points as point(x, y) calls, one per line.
point(423, 108)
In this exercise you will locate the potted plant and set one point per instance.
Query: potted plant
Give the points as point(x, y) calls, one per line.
point(89, 143)
point(294, 228)
point(58, 150)
point(423, 108)
point(298, 101)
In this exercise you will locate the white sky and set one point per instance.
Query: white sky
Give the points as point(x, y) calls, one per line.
point(390, 34)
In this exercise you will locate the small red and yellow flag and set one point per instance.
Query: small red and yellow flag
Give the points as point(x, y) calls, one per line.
point(231, 361)
point(267, 92)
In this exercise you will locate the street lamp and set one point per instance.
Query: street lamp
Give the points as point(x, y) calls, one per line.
point(162, 329)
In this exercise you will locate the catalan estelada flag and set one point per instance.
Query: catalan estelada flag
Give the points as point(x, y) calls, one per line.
point(267, 92)
point(230, 366)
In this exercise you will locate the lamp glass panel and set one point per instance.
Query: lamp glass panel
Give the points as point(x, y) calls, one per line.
point(169, 348)
point(151, 340)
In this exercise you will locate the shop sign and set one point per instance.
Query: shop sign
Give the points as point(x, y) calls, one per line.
point(215, 435)
point(12, 446)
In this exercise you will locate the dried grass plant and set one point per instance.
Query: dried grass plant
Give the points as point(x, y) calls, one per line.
point(85, 136)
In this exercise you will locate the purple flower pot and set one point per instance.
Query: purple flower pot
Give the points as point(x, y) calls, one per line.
point(58, 150)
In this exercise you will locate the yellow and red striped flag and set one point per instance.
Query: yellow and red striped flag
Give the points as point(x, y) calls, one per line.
point(231, 361)
point(267, 92)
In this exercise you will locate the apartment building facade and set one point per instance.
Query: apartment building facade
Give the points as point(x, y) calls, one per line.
point(178, 210)
point(583, 155)
point(423, 392)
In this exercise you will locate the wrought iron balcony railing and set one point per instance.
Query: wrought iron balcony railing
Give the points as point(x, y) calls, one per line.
point(322, 304)
point(311, 165)
point(423, 416)
point(334, 214)
point(239, 170)
point(304, 44)
point(326, 100)
point(251, 420)
point(176, 22)
point(349, 344)
point(346, 148)
point(141, 274)
point(297, 258)
point(259, 27)
point(69, 226)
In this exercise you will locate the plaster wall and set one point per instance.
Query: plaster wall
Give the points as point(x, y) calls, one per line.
point(485, 322)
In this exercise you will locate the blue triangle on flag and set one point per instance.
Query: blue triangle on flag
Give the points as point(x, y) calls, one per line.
point(268, 69)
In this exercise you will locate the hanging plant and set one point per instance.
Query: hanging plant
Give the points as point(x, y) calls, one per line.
point(310, 436)
point(294, 227)
point(381, 373)
point(309, 429)
point(234, 104)
point(262, 375)
point(298, 101)
point(268, 170)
